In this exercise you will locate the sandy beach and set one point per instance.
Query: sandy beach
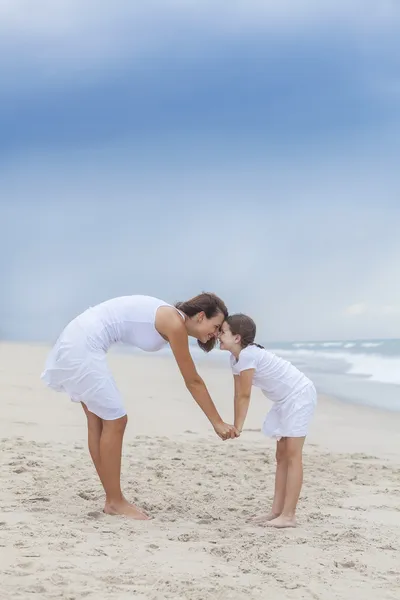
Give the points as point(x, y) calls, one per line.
point(55, 542)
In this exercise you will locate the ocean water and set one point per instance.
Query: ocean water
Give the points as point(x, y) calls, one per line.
point(358, 371)
point(363, 372)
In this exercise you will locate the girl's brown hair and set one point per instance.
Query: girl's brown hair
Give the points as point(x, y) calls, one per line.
point(244, 326)
point(208, 303)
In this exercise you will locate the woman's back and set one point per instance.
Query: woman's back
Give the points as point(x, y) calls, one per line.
point(126, 319)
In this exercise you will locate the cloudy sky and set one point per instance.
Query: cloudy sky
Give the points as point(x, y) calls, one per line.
point(250, 148)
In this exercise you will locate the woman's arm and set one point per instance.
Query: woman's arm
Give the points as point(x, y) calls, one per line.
point(243, 383)
point(175, 331)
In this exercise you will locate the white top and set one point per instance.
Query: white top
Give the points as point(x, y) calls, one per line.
point(127, 319)
point(277, 378)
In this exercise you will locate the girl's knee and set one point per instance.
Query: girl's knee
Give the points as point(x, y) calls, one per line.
point(294, 457)
point(280, 454)
point(294, 449)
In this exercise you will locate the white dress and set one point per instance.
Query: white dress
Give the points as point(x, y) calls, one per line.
point(77, 363)
point(293, 395)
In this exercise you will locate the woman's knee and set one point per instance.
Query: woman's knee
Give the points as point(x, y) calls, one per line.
point(123, 421)
point(116, 424)
point(94, 422)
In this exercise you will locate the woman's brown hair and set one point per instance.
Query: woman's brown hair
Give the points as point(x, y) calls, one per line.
point(208, 303)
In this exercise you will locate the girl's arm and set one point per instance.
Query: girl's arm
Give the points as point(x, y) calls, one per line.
point(243, 383)
point(175, 331)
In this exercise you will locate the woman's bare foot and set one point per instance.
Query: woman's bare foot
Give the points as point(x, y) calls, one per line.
point(281, 522)
point(264, 518)
point(126, 509)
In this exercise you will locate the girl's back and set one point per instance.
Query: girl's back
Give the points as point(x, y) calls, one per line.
point(276, 377)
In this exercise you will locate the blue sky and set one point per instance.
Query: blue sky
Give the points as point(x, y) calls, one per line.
point(252, 151)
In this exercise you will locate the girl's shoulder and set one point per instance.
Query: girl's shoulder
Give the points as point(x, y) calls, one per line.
point(249, 358)
point(253, 350)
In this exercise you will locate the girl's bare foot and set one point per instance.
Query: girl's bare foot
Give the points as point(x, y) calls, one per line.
point(264, 518)
point(126, 509)
point(281, 522)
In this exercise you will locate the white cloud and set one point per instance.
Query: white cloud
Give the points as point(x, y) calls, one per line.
point(313, 240)
point(354, 310)
point(82, 34)
point(363, 309)
point(49, 18)
point(390, 310)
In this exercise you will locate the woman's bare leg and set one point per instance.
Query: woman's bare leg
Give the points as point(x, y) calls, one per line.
point(110, 453)
point(294, 481)
point(95, 428)
point(105, 447)
point(280, 484)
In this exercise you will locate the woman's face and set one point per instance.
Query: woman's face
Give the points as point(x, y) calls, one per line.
point(206, 329)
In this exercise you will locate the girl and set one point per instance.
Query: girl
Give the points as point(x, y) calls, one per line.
point(294, 398)
point(77, 365)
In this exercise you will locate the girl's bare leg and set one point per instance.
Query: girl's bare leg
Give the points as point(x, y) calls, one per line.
point(280, 484)
point(105, 447)
point(294, 481)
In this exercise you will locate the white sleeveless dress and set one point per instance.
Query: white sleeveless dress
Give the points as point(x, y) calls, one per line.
point(77, 363)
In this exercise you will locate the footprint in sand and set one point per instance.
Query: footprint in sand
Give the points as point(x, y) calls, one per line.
point(39, 499)
point(188, 537)
point(205, 521)
point(95, 514)
point(349, 564)
point(36, 589)
point(86, 495)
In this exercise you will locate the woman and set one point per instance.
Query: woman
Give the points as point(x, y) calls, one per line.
point(77, 365)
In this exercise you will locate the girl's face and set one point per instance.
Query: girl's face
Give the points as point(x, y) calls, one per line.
point(227, 340)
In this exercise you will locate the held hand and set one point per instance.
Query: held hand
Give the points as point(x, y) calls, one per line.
point(225, 431)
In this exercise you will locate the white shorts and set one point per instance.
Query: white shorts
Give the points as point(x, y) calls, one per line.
point(84, 375)
point(292, 417)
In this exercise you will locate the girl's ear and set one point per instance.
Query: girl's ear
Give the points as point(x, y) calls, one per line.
point(238, 339)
